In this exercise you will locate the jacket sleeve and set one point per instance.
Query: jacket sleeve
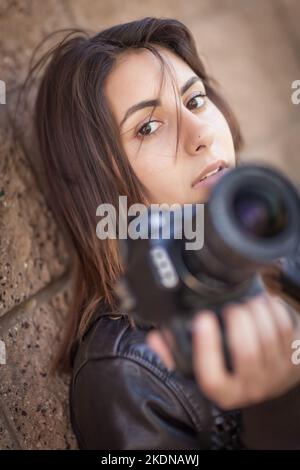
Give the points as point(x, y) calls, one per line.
point(120, 403)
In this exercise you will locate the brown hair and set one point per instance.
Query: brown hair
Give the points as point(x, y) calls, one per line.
point(80, 147)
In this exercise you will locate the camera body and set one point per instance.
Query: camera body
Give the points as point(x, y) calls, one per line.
point(250, 221)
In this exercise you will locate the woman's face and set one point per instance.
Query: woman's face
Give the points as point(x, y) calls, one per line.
point(204, 134)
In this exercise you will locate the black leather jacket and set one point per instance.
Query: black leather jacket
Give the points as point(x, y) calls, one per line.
point(123, 397)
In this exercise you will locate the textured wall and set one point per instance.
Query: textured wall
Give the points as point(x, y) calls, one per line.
point(252, 47)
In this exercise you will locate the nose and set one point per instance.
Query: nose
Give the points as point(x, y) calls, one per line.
point(197, 134)
point(205, 139)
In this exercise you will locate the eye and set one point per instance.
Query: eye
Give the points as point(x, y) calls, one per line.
point(202, 100)
point(142, 133)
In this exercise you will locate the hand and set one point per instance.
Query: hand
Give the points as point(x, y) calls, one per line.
point(260, 333)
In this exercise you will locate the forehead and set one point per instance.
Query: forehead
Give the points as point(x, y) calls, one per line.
point(136, 76)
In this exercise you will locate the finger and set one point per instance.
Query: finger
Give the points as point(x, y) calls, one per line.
point(245, 348)
point(208, 359)
point(285, 323)
point(156, 342)
point(268, 332)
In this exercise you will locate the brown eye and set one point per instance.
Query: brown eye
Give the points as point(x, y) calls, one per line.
point(145, 130)
point(200, 98)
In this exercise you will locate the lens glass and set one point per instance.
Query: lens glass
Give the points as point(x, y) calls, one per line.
point(258, 214)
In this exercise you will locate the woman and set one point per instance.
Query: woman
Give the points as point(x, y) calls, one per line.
point(97, 142)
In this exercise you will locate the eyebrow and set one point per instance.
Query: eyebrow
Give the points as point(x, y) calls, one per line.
point(157, 102)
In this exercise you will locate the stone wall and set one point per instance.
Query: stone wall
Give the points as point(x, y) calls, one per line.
point(252, 47)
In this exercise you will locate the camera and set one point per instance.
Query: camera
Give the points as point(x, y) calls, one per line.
point(251, 221)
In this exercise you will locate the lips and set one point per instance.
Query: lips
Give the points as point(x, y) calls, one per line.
point(209, 171)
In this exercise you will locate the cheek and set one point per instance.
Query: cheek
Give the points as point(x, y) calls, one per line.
point(221, 126)
point(154, 159)
point(154, 173)
point(155, 169)
point(222, 129)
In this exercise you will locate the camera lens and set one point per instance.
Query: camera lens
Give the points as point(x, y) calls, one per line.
point(260, 215)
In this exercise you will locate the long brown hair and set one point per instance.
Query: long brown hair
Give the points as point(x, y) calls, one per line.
point(82, 154)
